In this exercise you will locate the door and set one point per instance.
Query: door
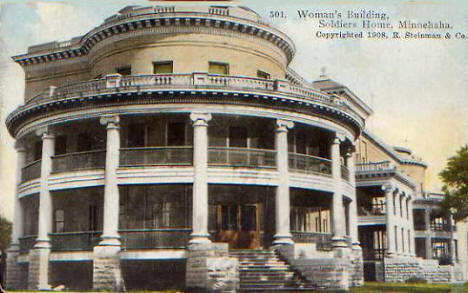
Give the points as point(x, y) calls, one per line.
point(239, 225)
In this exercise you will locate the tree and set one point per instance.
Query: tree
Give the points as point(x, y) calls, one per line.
point(5, 234)
point(455, 179)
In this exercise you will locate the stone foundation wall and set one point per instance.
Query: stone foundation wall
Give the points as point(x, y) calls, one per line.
point(107, 274)
point(15, 273)
point(401, 269)
point(379, 271)
point(210, 269)
point(356, 269)
point(38, 269)
point(327, 274)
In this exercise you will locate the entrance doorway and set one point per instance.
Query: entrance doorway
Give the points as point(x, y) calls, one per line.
point(239, 225)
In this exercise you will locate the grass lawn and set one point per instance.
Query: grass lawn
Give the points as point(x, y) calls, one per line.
point(374, 287)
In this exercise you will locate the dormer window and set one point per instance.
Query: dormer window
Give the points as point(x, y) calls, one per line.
point(218, 68)
point(163, 67)
point(124, 70)
point(263, 74)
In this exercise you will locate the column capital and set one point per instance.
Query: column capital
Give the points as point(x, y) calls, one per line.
point(110, 120)
point(44, 133)
point(284, 125)
point(200, 119)
point(19, 146)
point(389, 188)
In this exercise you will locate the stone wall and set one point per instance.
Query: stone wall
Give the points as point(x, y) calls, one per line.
point(327, 274)
point(401, 269)
point(210, 269)
point(15, 273)
point(356, 269)
point(38, 269)
point(107, 274)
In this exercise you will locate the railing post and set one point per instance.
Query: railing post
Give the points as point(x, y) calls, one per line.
point(200, 78)
point(113, 80)
point(282, 202)
point(200, 186)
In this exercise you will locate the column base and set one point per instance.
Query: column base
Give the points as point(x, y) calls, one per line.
point(356, 245)
point(38, 272)
point(110, 241)
point(283, 239)
point(199, 238)
point(338, 241)
point(210, 269)
point(42, 244)
point(107, 274)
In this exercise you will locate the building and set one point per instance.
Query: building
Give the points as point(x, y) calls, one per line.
point(176, 142)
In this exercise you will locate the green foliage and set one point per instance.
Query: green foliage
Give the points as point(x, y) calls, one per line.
point(5, 233)
point(455, 179)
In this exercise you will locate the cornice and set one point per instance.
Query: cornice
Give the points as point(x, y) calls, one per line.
point(81, 46)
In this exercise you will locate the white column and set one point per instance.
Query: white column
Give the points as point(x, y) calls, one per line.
point(18, 211)
point(200, 185)
point(282, 205)
point(338, 218)
point(45, 199)
point(353, 223)
point(110, 235)
point(411, 226)
point(389, 190)
point(427, 220)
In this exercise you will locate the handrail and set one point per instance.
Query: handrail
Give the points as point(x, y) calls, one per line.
point(31, 163)
point(155, 148)
point(155, 230)
point(310, 156)
point(78, 153)
point(242, 149)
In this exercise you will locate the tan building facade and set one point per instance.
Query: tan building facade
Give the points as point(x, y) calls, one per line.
point(176, 142)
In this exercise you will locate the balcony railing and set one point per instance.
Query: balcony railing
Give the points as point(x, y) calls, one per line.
point(155, 238)
point(156, 156)
point(344, 172)
point(374, 166)
point(79, 161)
point(26, 243)
point(241, 157)
point(31, 171)
point(322, 240)
point(373, 254)
point(309, 164)
point(70, 241)
point(441, 227)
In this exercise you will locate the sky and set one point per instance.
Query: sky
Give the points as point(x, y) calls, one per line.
point(416, 88)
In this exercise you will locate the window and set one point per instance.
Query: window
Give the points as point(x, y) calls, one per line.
point(163, 67)
point(401, 207)
point(136, 135)
point(394, 205)
point(262, 74)
point(229, 217)
point(363, 151)
point(238, 136)
point(407, 209)
point(59, 221)
point(402, 240)
point(396, 237)
point(124, 70)
point(84, 142)
point(37, 150)
point(409, 241)
point(218, 68)
point(176, 134)
point(60, 144)
point(92, 218)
